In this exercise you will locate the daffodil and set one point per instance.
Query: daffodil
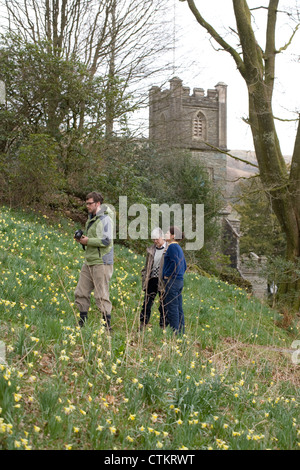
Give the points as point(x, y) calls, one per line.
point(17, 397)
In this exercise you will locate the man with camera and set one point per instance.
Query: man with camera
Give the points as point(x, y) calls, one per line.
point(97, 269)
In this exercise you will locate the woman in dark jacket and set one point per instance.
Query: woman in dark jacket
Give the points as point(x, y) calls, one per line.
point(173, 271)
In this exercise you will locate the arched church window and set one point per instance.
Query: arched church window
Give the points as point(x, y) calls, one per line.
point(199, 126)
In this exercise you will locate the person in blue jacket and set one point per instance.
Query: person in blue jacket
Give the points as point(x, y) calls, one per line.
point(173, 271)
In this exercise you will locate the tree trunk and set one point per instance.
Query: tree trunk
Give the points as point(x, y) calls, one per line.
point(257, 68)
point(282, 188)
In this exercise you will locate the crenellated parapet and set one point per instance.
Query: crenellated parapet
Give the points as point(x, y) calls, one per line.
point(185, 119)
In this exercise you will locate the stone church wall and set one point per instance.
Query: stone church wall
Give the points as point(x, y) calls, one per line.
point(216, 167)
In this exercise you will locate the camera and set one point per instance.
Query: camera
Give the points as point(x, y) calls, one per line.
point(78, 234)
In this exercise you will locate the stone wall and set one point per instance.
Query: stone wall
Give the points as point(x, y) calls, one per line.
point(215, 162)
point(251, 268)
point(231, 241)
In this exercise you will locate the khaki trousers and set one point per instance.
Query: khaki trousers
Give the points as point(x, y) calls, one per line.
point(94, 278)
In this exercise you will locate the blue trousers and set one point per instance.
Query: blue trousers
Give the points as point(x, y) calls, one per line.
point(172, 304)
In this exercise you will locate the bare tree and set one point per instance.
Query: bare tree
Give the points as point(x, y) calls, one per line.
point(257, 67)
point(120, 40)
point(138, 34)
point(73, 28)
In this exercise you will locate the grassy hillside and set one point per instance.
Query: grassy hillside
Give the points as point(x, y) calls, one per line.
point(229, 383)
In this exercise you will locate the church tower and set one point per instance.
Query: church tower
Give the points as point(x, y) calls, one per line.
point(179, 119)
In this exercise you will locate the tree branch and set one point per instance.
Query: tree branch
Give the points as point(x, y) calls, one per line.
point(230, 155)
point(295, 169)
point(252, 52)
point(270, 47)
point(284, 48)
point(216, 36)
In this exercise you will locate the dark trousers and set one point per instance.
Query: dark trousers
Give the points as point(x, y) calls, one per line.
point(173, 305)
point(150, 294)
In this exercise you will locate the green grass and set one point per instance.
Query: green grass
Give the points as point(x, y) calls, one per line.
point(228, 383)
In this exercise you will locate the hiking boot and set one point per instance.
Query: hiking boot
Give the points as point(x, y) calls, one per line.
point(82, 319)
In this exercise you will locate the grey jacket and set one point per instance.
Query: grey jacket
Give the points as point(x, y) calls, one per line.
point(146, 271)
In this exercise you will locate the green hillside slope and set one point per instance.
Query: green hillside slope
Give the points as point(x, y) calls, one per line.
point(231, 382)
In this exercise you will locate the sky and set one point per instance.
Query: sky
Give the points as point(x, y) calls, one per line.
point(198, 64)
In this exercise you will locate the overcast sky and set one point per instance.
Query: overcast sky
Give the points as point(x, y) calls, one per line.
point(199, 65)
point(195, 61)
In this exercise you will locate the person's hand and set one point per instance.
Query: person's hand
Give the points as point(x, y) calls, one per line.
point(83, 240)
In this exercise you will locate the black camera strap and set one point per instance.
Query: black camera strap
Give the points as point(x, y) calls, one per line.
point(92, 222)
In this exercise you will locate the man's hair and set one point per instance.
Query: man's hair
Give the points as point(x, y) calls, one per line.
point(179, 235)
point(97, 197)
